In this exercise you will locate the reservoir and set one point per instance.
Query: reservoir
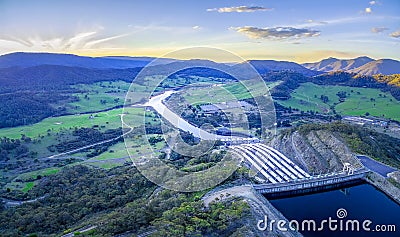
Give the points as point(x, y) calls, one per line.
point(361, 202)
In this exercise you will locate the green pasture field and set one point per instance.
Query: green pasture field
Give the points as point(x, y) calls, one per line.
point(109, 119)
point(112, 93)
point(120, 155)
point(229, 92)
point(357, 102)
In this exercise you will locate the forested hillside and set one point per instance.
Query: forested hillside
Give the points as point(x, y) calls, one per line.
point(293, 80)
point(118, 201)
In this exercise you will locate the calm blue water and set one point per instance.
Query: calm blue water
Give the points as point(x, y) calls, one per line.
point(361, 202)
point(375, 166)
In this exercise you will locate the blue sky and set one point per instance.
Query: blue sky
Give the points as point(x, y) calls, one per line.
point(294, 30)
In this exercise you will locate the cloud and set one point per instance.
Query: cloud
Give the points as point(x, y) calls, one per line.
point(378, 29)
point(395, 34)
point(98, 41)
point(75, 41)
point(372, 2)
point(276, 33)
point(317, 22)
point(337, 21)
point(239, 9)
point(80, 41)
point(310, 23)
point(12, 39)
point(196, 27)
point(368, 10)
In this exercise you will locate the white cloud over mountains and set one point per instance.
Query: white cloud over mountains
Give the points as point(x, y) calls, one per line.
point(79, 41)
point(379, 29)
point(395, 34)
point(368, 10)
point(276, 33)
point(239, 9)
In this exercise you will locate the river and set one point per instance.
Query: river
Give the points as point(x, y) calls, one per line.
point(157, 103)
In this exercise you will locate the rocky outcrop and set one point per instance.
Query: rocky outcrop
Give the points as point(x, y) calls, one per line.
point(339, 148)
point(318, 151)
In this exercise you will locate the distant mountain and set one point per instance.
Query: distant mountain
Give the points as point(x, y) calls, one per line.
point(265, 66)
point(334, 64)
point(322, 65)
point(60, 77)
point(187, 68)
point(25, 60)
point(360, 65)
point(381, 66)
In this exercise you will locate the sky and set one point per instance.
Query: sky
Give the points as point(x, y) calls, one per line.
point(290, 30)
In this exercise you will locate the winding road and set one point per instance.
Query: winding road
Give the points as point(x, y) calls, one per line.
point(13, 203)
point(91, 145)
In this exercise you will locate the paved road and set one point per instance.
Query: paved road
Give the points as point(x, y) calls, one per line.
point(81, 230)
point(238, 191)
point(116, 159)
point(375, 166)
point(91, 145)
point(13, 203)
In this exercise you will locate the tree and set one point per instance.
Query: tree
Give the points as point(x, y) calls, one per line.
point(324, 98)
point(342, 94)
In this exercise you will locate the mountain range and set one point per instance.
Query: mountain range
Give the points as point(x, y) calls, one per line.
point(361, 65)
point(25, 60)
point(264, 66)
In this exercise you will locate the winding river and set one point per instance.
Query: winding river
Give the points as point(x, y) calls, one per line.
point(156, 102)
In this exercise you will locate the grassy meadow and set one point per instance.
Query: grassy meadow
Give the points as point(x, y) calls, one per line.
point(229, 92)
point(358, 101)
